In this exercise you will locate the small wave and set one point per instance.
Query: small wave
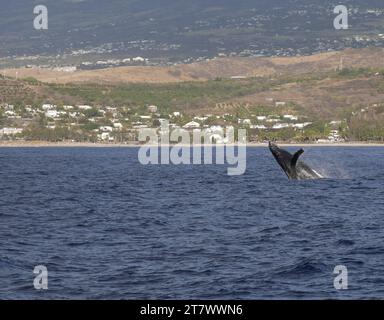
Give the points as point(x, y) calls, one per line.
point(302, 267)
point(368, 250)
point(345, 242)
point(270, 229)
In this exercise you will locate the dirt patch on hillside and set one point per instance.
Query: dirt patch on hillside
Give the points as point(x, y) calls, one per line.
point(215, 68)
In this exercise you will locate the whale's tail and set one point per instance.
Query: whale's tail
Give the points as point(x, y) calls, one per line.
point(296, 157)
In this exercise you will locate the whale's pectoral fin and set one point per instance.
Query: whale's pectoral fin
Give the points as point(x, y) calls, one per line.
point(296, 157)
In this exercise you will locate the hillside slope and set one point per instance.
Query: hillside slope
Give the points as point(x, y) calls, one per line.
point(216, 68)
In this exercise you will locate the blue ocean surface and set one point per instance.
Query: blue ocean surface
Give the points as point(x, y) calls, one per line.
point(107, 227)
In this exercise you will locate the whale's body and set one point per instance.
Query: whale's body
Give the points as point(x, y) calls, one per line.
point(293, 168)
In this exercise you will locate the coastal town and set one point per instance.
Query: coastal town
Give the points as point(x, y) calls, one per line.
point(344, 103)
point(113, 124)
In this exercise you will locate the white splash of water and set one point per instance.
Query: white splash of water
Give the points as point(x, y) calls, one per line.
point(328, 166)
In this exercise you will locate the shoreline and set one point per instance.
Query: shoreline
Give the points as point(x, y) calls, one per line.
point(42, 144)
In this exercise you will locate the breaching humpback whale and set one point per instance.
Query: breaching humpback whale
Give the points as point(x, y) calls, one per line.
point(293, 168)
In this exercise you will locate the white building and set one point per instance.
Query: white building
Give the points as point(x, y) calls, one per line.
point(280, 126)
point(9, 107)
point(105, 136)
point(244, 121)
point(138, 59)
point(260, 127)
point(163, 121)
point(106, 129)
point(85, 107)
point(152, 109)
point(66, 69)
point(48, 106)
point(111, 109)
point(334, 136)
point(74, 114)
point(52, 114)
point(118, 125)
point(200, 118)
point(10, 131)
point(10, 113)
point(216, 128)
point(192, 125)
point(301, 125)
point(290, 117)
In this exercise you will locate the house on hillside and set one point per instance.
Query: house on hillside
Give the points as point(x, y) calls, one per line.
point(259, 127)
point(200, 118)
point(138, 59)
point(105, 136)
point(47, 106)
point(152, 109)
point(118, 125)
point(106, 129)
point(10, 131)
point(192, 125)
point(301, 125)
point(290, 117)
point(280, 125)
point(52, 114)
point(85, 107)
point(111, 109)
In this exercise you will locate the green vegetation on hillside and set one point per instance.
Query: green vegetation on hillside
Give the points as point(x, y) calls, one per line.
point(220, 99)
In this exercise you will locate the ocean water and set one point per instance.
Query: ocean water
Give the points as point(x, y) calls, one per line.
point(107, 227)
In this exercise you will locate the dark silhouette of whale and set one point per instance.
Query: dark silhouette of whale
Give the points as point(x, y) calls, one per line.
point(293, 168)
